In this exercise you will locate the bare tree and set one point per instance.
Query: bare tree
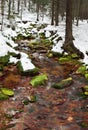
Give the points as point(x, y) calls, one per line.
point(68, 44)
point(52, 11)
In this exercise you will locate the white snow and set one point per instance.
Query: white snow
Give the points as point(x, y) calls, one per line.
point(26, 64)
point(80, 34)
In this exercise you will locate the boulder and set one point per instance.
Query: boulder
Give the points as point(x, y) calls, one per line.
point(63, 84)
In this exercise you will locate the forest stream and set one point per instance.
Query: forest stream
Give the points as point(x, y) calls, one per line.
point(52, 109)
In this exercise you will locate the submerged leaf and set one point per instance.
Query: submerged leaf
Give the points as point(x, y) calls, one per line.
point(39, 80)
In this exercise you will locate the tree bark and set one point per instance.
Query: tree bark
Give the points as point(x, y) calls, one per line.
point(56, 12)
point(68, 44)
point(52, 11)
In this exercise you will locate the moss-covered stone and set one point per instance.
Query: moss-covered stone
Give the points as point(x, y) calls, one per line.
point(4, 59)
point(82, 70)
point(39, 80)
point(63, 84)
point(85, 90)
point(42, 35)
point(74, 56)
point(65, 59)
point(7, 92)
point(1, 67)
point(3, 97)
point(33, 99)
point(27, 72)
point(18, 56)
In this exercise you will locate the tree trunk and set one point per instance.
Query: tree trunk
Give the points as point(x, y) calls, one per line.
point(68, 44)
point(18, 8)
point(56, 12)
point(2, 13)
point(52, 15)
point(78, 10)
point(9, 9)
point(68, 35)
point(37, 10)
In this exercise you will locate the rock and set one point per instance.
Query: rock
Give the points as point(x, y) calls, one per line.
point(33, 99)
point(4, 59)
point(85, 90)
point(65, 59)
point(7, 92)
point(3, 97)
point(39, 80)
point(86, 76)
point(81, 70)
point(28, 71)
point(1, 67)
point(63, 84)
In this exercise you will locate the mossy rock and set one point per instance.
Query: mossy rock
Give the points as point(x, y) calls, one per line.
point(4, 59)
point(65, 59)
point(3, 96)
point(50, 55)
point(1, 67)
point(63, 84)
point(42, 35)
point(56, 54)
point(18, 56)
point(33, 99)
point(39, 80)
point(59, 38)
point(27, 72)
point(82, 70)
point(7, 92)
point(74, 56)
point(85, 90)
point(68, 59)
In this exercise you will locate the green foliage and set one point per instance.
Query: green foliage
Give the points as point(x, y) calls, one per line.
point(39, 80)
point(63, 84)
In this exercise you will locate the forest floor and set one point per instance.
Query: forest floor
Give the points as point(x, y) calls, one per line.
point(53, 109)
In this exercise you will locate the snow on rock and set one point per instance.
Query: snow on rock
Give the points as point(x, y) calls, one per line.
point(26, 64)
point(4, 49)
point(57, 47)
point(47, 34)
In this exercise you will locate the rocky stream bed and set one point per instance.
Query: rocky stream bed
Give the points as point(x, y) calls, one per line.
point(44, 107)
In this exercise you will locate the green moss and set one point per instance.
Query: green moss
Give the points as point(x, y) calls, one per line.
point(83, 124)
point(15, 55)
point(33, 99)
point(82, 70)
point(27, 72)
point(3, 97)
point(42, 35)
point(39, 80)
point(4, 59)
point(1, 67)
point(65, 59)
point(7, 92)
point(63, 84)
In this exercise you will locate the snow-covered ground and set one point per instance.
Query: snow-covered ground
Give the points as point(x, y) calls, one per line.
point(80, 34)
